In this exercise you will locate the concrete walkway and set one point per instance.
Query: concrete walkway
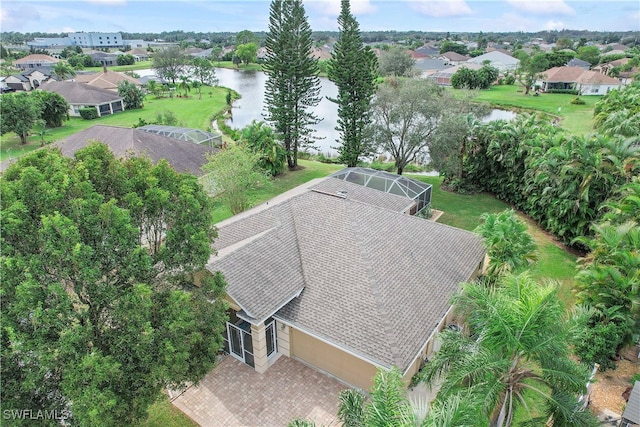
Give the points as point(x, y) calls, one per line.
point(233, 394)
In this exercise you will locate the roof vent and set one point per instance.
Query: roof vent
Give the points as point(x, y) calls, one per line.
point(342, 193)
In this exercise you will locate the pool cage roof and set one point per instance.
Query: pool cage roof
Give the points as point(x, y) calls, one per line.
point(185, 134)
point(389, 183)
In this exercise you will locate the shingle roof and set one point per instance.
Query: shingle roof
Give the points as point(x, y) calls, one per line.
point(371, 280)
point(632, 410)
point(577, 62)
point(562, 74)
point(455, 56)
point(593, 77)
point(80, 93)
point(357, 192)
point(182, 155)
point(36, 58)
point(495, 56)
point(108, 80)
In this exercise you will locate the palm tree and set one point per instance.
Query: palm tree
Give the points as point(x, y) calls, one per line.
point(184, 85)
point(509, 246)
point(63, 70)
point(387, 405)
point(514, 349)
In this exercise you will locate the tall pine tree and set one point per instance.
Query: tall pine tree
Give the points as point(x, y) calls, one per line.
point(293, 86)
point(353, 68)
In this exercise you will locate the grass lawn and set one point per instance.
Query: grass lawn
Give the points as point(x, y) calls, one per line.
point(191, 112)
point(164, 414)
point(464, 211)
point(310, 170)
point(576, 118)
point(140, 65)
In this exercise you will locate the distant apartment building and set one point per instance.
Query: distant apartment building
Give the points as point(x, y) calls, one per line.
point(89, 40)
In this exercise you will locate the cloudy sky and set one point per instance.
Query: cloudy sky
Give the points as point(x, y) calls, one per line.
point(223, 15)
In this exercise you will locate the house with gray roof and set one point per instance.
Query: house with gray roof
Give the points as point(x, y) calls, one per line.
point(496, 59)
point(631, 414)
point(340, 276)
point(183, 156)
point(80, 95)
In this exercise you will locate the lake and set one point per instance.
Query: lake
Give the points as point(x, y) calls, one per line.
point(250, 85)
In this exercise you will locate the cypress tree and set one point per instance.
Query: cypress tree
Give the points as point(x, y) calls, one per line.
point(292, 86)
point(352, 68)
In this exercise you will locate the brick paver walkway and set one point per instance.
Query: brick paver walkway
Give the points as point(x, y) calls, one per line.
point(233, 394)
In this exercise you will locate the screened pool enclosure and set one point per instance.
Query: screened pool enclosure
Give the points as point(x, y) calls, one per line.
point(400, 185)
point(196, 136)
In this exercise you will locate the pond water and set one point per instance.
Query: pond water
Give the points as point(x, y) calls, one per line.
point(251, 84)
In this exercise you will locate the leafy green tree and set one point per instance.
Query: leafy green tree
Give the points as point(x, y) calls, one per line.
point(260, 139)
point(564, 43)
point(452, 46)
point(353, 68)
point(291, 91)
point(503, 354)
point(247, 52)
point(246, 36)
point(203, 71)
point(233, 172)
point(126, 59)
point(591, 54)
point(100, 308)
point(18, 113)
point(395, 61)
point(474, 79)
point(617, 112)
point(170, 63)
point(132, 95)
point(405, 116)
point(510, 247)
point(529, 69)
point(54, 108)
point(63, 70)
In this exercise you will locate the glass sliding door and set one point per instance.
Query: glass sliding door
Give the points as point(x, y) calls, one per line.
point(240, 344)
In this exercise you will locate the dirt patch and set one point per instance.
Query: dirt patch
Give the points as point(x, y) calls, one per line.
point(606, 392)
point(435, 214)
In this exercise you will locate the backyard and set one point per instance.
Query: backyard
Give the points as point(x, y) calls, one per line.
point(190, 111)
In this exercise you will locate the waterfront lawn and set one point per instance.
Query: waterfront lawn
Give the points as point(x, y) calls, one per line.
point(191, 112)
point(576, 118)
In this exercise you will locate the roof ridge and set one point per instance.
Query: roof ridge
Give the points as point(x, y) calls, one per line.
point(367, 262)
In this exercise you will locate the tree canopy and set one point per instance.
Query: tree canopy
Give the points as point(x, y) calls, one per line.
point(395, 61)
point(291, 91)
point(170, 63)
point(353, 68)
point(101, 310)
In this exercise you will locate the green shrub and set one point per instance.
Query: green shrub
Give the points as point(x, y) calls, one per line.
point(577, 101)
point(598, 344)
point(568, 91)
point(88, 113)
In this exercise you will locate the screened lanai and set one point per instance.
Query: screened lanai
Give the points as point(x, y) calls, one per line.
point(186, 134)
point(389, 183)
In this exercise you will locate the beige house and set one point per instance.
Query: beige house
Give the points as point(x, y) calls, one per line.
point(575, 78)
point(106, 79)
point(80, 95)
point(35, 61)
point(341, 277)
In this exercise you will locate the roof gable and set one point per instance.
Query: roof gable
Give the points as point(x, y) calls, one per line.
point(370, 280)
point(80, 94)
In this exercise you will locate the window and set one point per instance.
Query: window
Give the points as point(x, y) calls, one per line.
point(270, 331)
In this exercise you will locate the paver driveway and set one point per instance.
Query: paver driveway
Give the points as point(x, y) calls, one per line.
point(233, 394)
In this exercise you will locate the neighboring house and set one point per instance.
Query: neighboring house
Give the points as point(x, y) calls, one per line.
point(334, 274)
point(3, 85)
point(105, 59)
point(631, 414)
point(499, 49)
point(106, 80)
point(615, 46)
point(606, 67)
point(443, 77)
point(183, 156)
point(80, 95)
point(428, 66)
point(570, 78)
point(205, 53)
point(497, 59)
point(577, 62)
point(17, 82)
point(453, 58)
point(35, 61)
point(320, 53)
point(193, 51)
point(38, 76)
point(428, 51)
point(146, 79)
point(138, 54)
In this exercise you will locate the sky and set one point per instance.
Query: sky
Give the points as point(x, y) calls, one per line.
point(55, 16)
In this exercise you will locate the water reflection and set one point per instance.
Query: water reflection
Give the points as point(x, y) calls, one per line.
point(251, 84)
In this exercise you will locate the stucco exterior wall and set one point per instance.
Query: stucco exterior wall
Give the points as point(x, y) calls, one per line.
point(328, 358)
